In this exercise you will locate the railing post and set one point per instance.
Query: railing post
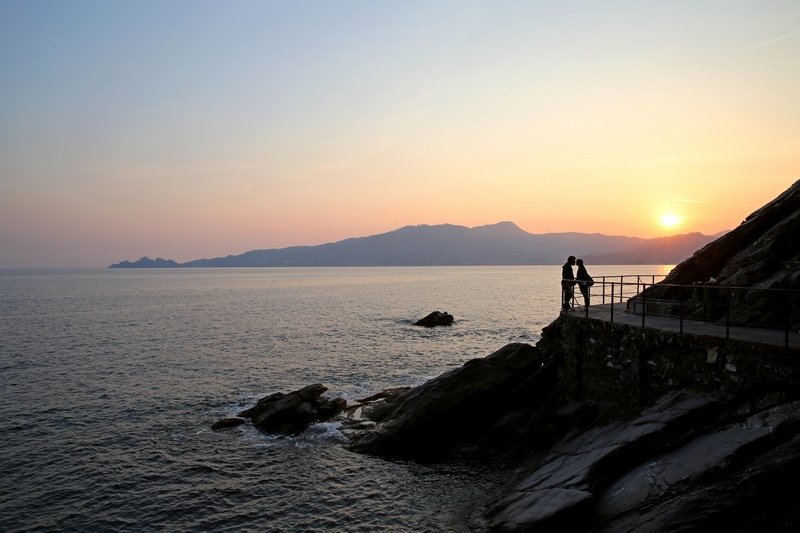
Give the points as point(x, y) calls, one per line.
point(612, 302)
point(621, 285)
point(644, 304)
point(604, 290)
point(588, 299)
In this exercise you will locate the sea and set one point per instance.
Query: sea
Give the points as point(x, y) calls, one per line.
point(111, 378)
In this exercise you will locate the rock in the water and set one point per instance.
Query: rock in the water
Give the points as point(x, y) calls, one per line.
point(292, 413)
point(437, 318)
point(225, 423)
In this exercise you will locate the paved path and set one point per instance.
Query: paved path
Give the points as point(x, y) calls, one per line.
point(621, 316)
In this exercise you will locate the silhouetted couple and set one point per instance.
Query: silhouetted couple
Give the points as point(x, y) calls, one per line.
point(569, 279)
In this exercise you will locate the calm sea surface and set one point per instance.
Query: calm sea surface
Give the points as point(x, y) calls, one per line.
point(110, 380)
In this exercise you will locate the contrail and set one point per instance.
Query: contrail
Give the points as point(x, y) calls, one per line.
point(777, 39)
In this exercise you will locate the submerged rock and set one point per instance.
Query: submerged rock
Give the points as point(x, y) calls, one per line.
point(291, 413)
point(225, 423)
point(437, 318)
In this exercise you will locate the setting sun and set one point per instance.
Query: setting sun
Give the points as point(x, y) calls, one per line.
point(670, 220)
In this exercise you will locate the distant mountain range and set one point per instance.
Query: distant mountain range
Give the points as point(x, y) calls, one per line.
point(504, 243)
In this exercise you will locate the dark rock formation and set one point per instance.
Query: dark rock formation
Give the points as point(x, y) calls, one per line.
point(437, 318)
point(486, 406)
point(292, 413)
point(763, 253)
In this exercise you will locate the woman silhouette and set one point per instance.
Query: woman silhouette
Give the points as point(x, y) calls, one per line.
point(584, 281)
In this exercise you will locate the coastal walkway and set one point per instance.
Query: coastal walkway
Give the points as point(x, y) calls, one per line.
point(620, 315)
point(628, 295)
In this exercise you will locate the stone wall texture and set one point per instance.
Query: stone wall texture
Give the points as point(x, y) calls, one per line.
point(625, 368)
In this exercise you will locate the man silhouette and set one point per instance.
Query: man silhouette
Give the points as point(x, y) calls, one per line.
point(567, 283)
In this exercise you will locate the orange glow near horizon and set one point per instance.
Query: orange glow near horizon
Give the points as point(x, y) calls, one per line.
point(361, 119)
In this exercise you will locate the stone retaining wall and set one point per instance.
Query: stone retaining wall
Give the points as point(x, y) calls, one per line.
point(625, 368)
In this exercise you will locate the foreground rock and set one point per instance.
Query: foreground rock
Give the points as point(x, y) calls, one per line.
point(437, 318)
point(291, 413)
point(685, 464)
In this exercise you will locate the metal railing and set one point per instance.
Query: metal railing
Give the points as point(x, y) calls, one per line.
point(774, 309)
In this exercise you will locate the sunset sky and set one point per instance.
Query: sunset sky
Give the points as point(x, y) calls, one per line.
point(192, 129)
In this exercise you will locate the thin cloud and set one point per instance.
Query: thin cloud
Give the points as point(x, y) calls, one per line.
point(776, 39)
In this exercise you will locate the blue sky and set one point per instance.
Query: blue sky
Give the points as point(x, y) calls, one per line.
point(200, 129)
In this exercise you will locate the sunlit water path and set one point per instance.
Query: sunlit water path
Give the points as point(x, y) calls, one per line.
point(111, 378)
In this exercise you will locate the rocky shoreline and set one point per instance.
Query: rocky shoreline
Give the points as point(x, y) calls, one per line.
point(610, 427)
point(591, 452)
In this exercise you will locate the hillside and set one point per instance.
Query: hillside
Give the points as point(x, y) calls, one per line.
point(504, 243)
